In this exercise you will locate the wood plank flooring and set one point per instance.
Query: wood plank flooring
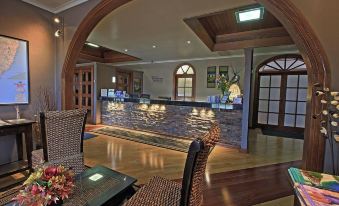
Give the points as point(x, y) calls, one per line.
point(144, 161)
point(249, 186)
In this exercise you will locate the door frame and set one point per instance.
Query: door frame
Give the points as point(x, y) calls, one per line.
point(300, 31)
point(282, 91)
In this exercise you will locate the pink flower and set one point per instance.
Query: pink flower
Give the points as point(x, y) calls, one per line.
point(35, 190)
point(50, 172)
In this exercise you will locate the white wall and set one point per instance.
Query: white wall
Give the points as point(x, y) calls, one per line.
point(166, 71)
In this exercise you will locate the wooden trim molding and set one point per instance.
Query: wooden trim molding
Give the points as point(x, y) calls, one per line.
point(295, 24)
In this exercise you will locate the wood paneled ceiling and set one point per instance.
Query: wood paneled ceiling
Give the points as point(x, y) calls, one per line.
point(103, 55)
point(220, 31)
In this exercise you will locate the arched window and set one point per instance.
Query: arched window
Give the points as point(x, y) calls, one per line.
point(281, 98)
point(184, 76)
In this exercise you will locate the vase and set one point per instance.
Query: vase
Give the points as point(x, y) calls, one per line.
point(225, 96)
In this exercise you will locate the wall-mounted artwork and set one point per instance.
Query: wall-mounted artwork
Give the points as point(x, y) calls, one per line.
point(223, 71)
point(211, 76)
point(14, 71)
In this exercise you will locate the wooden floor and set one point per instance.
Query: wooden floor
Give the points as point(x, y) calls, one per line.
point(249, 186)
point(144, 161)
point(229, 181)
point(134, 158)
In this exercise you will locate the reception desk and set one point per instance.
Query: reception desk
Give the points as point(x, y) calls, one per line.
point(174, 118)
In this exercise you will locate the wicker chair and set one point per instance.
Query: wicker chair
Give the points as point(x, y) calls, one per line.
point(62, 138)
point(162, 192)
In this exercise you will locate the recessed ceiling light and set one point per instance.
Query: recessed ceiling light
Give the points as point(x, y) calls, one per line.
point(154, 46)
point(92, 45)
point(126, 50)
point(250, 14)
point(188, 42)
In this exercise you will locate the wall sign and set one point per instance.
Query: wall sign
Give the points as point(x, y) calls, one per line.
point(157, 79)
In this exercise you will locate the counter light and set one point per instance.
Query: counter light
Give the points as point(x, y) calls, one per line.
point(114, 79)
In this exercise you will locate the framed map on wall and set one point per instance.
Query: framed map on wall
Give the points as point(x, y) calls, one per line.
point(14, 71)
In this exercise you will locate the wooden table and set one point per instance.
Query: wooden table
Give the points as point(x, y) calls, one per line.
point(16, 128)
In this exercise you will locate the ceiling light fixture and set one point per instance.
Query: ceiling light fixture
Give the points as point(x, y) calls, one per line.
point(58, 33)
point(92, 45)
point(250, 14)
point(154, 46)
point(126, 50)
point(188, 42)
point(57, 20)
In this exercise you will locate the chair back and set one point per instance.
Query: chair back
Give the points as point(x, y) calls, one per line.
point(62, 137)
point(194, 174)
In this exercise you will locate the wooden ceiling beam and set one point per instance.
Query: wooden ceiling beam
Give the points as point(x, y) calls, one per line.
point(253, 34)
point(90, 57)
point(200, 31)
point(114, 57)
point(254, 43)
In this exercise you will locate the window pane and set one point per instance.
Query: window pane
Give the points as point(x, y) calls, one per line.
point(292, 80)
point(275, 81)
point(303, 81)
point(281, 63)
point(290, 107)
point(274, 65)
point(274, 106)
point(263, 94)
point(300, 121)
point(289, 62)
point(263, 106)
point(264, 81)
point(262, 118)
point(289, 120)
point(302, 94)
point(188, 92)
point(180, 71)
point(273, 119)
point(291, 94)
point(185, 68)
point(181, 82)
point(275, 94)
point(190, 71)
point(181, 92)
point(189, 82)
point(301, 108)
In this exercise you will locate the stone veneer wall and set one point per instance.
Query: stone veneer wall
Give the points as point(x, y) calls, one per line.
point(182, 121)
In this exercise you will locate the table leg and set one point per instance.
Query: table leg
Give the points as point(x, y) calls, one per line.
point(29, 145)
point(19, 146)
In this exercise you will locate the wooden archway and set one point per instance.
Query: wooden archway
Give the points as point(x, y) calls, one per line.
point(298, 28)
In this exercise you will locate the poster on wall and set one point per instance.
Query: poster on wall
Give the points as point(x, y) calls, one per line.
point(223, 71)
point(14, 71)
point(211, 76)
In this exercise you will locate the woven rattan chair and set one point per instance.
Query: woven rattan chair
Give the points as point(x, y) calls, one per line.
point(162, 192)
point(62, 138)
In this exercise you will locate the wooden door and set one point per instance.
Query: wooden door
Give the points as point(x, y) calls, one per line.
point(281, 94)
point(83, 94)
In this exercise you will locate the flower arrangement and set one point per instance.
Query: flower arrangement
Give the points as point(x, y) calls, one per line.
point(46, 186)
point(330, 123)
point(223, 84)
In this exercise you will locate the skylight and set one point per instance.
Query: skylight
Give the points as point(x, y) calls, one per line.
point(250, 14)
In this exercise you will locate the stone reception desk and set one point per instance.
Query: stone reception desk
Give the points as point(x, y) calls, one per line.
point(175, 118)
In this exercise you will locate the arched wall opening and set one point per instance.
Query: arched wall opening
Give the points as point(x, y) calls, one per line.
point(296, 25)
